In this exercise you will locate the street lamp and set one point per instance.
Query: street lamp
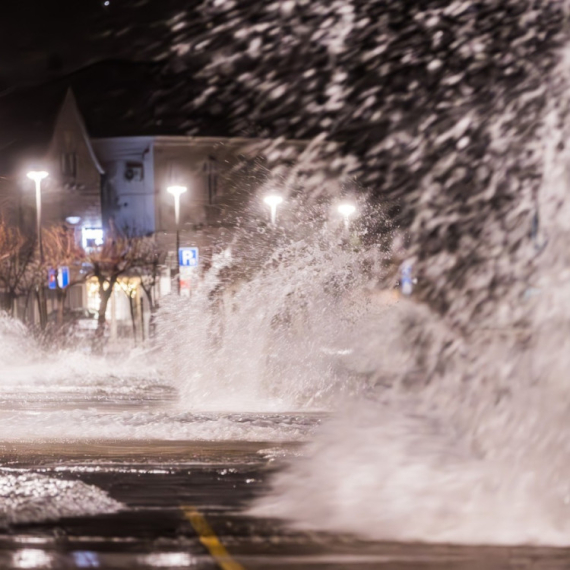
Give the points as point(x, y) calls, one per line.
point(346, 210)
point(273, 201)
point(176, 191)
point(37, 176)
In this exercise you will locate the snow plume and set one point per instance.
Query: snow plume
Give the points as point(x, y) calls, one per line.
point(470, 443)
point(434, 106)
point(268, 330)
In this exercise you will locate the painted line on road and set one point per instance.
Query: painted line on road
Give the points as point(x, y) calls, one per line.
point(209, 539)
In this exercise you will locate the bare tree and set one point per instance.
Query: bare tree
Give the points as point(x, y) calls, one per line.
point(116, 256)
point(61, 249)
point(152, 258)
point(18, 272)
point(129, 288)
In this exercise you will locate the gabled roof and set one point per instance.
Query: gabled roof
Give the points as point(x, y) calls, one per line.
point(70, 103)
point(114, 98)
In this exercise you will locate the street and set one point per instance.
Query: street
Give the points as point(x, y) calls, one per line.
point(184, 505)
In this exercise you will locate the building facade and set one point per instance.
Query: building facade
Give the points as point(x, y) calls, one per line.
point(121, 184)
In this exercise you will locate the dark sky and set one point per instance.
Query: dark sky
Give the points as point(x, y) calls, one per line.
point(40, 39)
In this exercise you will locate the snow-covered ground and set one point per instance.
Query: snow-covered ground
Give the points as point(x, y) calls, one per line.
point(29, 497)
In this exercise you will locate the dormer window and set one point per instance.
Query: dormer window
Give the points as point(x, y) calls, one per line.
point(69, 164)
point(134, 172)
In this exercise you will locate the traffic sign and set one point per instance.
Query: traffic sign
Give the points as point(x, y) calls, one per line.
point(52, 283)
point(188, 256)
point(63, 277)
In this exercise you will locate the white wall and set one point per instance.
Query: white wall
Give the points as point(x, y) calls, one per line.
point(129, 203)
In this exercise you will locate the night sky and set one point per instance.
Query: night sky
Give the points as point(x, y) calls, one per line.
point(43, 39)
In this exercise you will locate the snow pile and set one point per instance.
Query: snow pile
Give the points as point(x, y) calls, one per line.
point(27, 498)
point(16, 345)
point(50, 375)
point(29, 371)
point(79, 424)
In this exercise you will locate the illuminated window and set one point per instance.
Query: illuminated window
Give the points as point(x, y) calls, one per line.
point(91, 237)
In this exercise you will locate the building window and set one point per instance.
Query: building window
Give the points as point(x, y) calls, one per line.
point(211, 173)
point(69, 164)
point(134, 172)
point(91, 237)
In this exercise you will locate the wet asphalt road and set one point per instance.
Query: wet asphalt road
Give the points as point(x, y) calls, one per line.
point(184, 509)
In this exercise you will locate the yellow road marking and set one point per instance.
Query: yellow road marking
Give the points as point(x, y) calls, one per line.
point(209, 539)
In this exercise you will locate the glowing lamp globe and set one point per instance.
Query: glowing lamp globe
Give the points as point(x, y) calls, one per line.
point(347, 209)
point(176, 190)
point(37, 175)
point(273, 201)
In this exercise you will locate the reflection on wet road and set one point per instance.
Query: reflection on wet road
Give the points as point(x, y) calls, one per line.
point(183, 507)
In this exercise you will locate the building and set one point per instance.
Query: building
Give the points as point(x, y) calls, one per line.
point(121, 182)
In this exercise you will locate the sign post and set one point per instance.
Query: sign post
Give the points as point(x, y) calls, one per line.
point(188, 258)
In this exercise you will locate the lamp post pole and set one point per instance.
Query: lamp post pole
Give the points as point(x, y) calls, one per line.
point(176, 191)
point(273, 201)
point(346, 210)
point(37, 176)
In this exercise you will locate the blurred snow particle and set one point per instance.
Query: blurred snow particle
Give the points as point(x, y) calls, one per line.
point(463, 143)
point(254, 46)
point(434, 65)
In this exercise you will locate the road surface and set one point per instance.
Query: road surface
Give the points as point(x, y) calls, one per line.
point(184, 506)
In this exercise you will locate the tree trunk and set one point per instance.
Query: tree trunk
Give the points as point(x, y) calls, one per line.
point(141, 304)
point(12, 301)
point(42, 306)
point(104, 296)
point(133, 318)
point(61, 296)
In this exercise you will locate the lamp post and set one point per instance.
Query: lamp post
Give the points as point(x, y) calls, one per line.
point(176, 191)
point(273, 201)
point(37, 176)
point(346, 210)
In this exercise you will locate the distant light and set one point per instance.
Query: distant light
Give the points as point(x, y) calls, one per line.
point(176, 190)
point(86, 559)
point(273, 200)
point(346, 209)
point(168, 559)
point(91, 237)
point(31, 558)
point(106, 3)
point(37, 175)
point(73, 220)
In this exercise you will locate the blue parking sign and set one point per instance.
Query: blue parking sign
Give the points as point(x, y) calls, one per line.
point(188, 256)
